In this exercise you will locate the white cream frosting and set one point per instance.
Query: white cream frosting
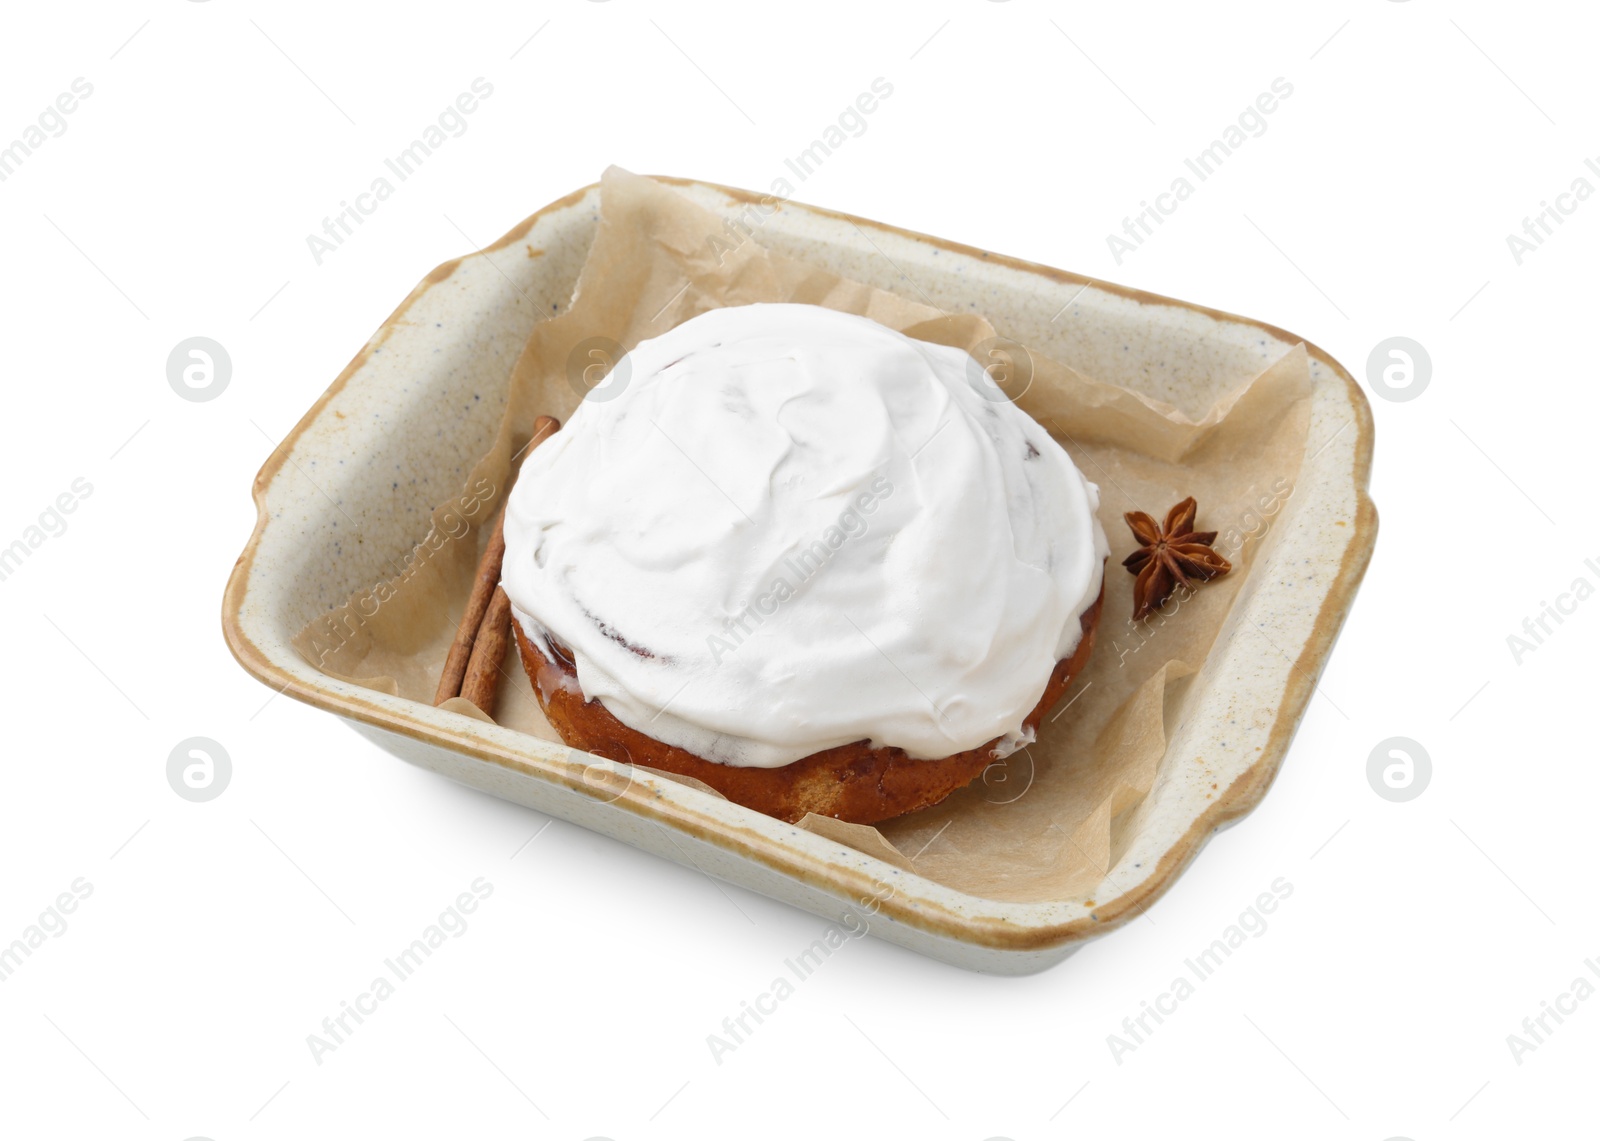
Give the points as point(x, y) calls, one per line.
point(780, 528)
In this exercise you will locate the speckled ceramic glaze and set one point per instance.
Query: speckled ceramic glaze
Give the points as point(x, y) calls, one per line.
point(424, 394)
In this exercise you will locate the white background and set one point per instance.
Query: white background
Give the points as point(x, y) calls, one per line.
point(219, 935)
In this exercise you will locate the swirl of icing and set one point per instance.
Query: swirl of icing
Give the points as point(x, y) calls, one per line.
point(782, 528)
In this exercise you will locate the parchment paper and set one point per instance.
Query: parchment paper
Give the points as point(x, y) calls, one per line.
point(1045, 823)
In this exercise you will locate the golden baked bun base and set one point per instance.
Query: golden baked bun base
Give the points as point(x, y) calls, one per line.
point(854, 782)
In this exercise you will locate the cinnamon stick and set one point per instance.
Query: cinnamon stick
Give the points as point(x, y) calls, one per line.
point(481, 685)
point(483, 588)
point(484, 585)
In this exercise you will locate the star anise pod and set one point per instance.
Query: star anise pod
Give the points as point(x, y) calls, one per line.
point(1169, 554)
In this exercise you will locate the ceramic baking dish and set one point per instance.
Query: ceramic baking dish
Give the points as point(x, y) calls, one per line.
point(425, 394)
